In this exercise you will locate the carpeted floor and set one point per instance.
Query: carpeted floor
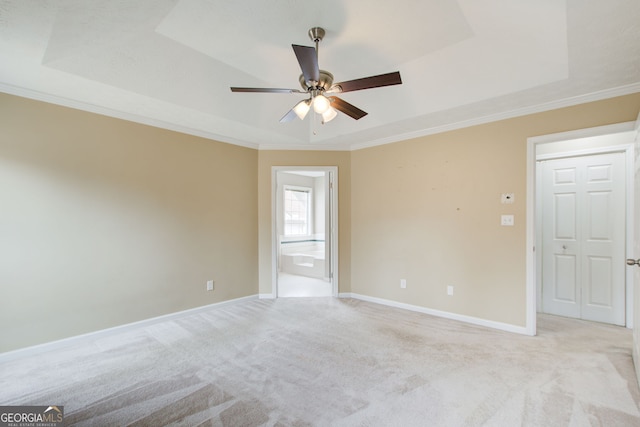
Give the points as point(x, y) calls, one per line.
point(335, 362)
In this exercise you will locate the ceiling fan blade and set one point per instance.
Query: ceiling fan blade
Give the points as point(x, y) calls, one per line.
point(264, 90)
point(308, 60)
point(349, 109)
point(388, 79)
point(289, 116)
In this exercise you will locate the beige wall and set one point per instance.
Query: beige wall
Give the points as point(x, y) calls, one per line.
point(428, 210)
point(105, 222)
point(268, 159)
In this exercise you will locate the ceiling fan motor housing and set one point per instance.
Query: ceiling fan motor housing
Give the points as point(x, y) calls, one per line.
point(326, 80)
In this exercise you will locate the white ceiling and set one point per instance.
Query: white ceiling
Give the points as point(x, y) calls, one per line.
point(170, 63)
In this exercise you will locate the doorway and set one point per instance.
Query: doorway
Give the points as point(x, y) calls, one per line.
point(616, 138)
point(304, 231)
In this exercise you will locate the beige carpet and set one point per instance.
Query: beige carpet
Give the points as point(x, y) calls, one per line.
point(330, 362)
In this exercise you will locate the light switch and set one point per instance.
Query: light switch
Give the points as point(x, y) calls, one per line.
point(506, 220)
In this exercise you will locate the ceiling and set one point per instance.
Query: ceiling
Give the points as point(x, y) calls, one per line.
point(170, 63)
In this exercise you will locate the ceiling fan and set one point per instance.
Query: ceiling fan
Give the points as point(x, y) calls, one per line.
point(317, 83)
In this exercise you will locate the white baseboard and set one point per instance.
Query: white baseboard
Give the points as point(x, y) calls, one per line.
point(445, 314)
point(67, 342)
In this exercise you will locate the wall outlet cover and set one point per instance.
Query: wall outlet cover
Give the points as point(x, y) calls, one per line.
point(506, 220)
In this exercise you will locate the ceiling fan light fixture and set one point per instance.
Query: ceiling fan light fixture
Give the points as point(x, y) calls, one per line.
point(302, 108)
point(329, 115)
point(321, 104)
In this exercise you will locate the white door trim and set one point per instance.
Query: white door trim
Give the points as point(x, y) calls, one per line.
point(531, 227)
point(333, 171)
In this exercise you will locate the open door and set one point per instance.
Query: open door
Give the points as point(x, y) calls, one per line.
point(635, 269)
point(616, 138)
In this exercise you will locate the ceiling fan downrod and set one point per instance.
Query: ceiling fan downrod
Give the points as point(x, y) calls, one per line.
point(316, 34)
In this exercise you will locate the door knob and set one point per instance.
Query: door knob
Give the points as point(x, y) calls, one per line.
point(633, 262)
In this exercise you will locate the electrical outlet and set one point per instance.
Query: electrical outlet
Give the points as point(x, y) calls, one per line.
point(209, 285)
point(403, 283)
point(449, 290)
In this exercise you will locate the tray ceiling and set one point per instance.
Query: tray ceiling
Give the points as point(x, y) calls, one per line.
point(170, 63)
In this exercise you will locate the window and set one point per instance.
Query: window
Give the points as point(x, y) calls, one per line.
point(297, 211)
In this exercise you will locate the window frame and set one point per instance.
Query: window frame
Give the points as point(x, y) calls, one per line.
point(309, 219)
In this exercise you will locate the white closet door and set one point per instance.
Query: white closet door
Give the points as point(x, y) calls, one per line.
point(583, 238)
